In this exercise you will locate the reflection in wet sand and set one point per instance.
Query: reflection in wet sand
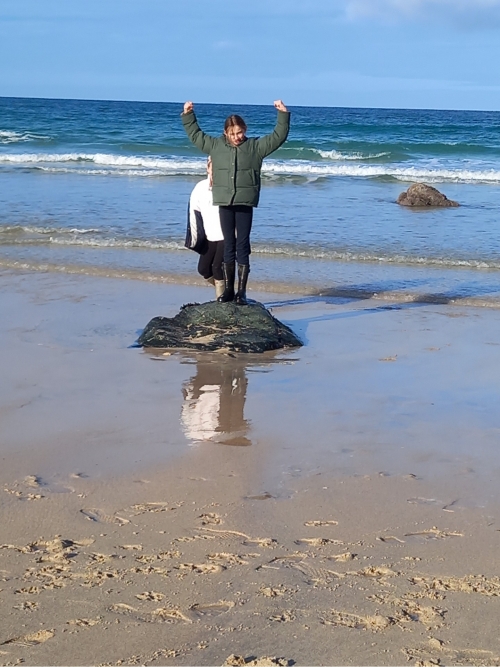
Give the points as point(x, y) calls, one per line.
point(214, 401)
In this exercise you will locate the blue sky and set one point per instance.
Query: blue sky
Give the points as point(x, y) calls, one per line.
point(368, 53)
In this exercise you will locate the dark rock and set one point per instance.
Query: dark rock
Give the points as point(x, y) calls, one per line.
point(215, 326)
point(420, 194)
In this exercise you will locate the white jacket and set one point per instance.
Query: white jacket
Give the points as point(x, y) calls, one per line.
point(203, 218)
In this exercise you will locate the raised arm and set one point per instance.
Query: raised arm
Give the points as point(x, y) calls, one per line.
point(271, 142)
point(201, 140)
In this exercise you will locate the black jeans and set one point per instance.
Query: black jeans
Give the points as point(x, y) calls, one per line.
point(236, 224)
point(210, 262)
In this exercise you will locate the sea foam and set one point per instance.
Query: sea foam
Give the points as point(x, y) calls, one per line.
point(11, 137)
point(106, 164)
point(35, 235)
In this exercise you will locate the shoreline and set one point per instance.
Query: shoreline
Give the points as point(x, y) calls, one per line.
point(358, 523)
point(339, 280)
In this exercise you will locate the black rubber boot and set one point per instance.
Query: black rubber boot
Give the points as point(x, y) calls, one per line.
point(228, 294)
point(241, 294)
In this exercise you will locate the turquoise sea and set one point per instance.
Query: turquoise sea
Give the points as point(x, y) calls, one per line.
point(102, 188)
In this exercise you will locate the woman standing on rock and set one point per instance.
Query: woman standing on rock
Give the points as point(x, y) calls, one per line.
point(236, 162)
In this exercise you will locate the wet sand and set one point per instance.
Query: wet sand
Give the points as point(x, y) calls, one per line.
point(341, 508)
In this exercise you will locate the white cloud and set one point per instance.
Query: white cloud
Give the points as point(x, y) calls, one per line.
point(466, 13)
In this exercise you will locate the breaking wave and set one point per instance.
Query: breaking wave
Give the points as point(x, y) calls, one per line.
point(10, 137)
point(34, 235)
point(140, 166)
point(356, 156)
point(36, 229)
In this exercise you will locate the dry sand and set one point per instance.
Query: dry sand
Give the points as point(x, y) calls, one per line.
point(355, 522)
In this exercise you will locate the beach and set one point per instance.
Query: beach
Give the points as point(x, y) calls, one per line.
point(337, 505)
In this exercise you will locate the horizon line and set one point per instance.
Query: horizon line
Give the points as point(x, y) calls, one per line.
point(305, 106)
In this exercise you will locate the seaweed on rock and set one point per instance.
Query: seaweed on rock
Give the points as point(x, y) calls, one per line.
point(219, 326)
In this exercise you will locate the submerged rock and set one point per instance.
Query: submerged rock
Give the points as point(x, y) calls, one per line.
point(219, 326)
point(420, 194)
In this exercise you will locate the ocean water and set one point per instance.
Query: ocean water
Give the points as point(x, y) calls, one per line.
point(102, 188)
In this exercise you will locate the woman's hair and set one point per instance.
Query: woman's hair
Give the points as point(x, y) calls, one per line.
point(234, 120)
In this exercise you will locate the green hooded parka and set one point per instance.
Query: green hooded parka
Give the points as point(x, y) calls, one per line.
point(236, 169)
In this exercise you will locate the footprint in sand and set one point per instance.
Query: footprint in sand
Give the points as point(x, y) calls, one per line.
point(409, 610)
point(165, 615)
point(92, 578)
point(198, 611)
point(157, 507)
point(101, 558)
point(261, 496)
point(266, 661)
point(343, 558)
point(24, 496)
point(433, 534)
point(247, 540)
point(36, 482)
point(57, 550)
point(32, 639)
point(267, 542)
point(193, 538)
point(283, 617)
point(85, 622)
point(150, 596)
point(448, 507)
point(390, 538)
point(30, 590)
point(203, 568)
point(374, 572)
point(314, 574)
point(426, 615)
point(131, 547)
point(160, 615)
point(473, 583)
point(122, 608)
point(27, 606)
point(270, 592)
point(281, 561)
point(228, 558)
point(375, 623)
point(435, 652)
point(423, 501)
point(58, 544)
point(28, 549)
point(317, 575)
point(33, 481)
point(100, 517)
point(317, 541)
point(210, 518)
point(163, 555)
point(321, 523)
point(224, 534)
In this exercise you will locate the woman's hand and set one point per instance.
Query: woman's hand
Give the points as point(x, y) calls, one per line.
point(280, 106)
point(188, 107)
